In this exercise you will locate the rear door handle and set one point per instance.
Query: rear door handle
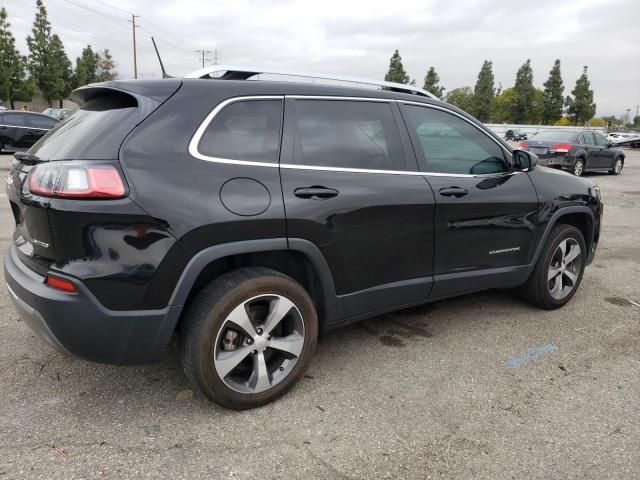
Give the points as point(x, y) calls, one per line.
point(453, 192)
point(316, 192)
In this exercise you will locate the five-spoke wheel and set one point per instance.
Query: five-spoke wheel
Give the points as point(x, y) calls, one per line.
point(564, 269)
point(248, 337)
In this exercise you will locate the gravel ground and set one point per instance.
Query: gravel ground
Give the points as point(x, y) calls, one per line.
point(483, 386)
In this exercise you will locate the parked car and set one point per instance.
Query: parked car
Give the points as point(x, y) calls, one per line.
point(58, 113)
point(20, 130)
point(515, 135)
point(576, 151)
point(248, 216)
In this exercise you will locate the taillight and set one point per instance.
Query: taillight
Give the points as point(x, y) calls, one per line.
point(60, 283)
point(523, 145)
point(561, 147)
point(73, 180)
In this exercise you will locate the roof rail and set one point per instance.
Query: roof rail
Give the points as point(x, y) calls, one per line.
point(234, 72)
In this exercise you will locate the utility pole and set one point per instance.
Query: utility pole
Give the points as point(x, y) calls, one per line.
point(135, 53)
point(203, 53)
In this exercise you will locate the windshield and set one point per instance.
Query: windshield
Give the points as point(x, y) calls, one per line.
point(555, 136)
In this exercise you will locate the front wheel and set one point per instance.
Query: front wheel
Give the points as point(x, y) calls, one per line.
point(578, 167)
point(248, 337)
point(559, 270)
point(617, 167)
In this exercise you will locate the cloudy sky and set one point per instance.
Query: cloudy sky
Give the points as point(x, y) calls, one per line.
point(358, 37)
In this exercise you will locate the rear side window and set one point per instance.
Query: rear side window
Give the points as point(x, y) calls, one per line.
point(449, 144)
point(347, 134)
point(13, 119)
point(245, 130)
point(600, 140)
point(38, 121)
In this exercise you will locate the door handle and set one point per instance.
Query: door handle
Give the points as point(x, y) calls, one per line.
point(453, 192)
point(316, 192)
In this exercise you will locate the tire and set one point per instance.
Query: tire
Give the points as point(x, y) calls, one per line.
point(541, 285)
point(617, 166)
point(211, 343)
point(578, 167)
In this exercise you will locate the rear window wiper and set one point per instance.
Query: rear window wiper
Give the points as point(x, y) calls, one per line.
point(27, 157)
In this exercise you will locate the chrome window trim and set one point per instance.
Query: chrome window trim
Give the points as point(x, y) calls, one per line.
point(26, 128)
point(197, 136)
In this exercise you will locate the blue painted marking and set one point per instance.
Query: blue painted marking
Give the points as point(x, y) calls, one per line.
point(531, 355)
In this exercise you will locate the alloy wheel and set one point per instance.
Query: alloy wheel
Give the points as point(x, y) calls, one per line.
point(564, 269)
point(259, 343)
point(578, 168)
point(618, 166)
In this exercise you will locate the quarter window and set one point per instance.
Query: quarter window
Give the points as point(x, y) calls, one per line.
point(245, 130)
point(347, 134)
point(449, 144)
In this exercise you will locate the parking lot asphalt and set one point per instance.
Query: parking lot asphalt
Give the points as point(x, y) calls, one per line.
point(481, 386)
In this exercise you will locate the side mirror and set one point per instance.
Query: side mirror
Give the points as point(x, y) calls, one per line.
point(524, 160)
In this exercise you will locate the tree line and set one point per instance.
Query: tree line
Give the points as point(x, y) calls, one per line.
point(47, 67)
point(521, 104)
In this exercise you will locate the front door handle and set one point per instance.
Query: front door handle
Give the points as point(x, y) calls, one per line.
point(453, 192)
point(316, 192)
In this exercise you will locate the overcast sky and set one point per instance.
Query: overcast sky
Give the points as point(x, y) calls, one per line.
point(358, 37)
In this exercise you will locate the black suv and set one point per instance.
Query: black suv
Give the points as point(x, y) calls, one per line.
point(248, 216)
point(20, 130)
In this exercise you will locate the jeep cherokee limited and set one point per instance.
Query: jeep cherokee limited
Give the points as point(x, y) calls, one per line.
point(248, 216)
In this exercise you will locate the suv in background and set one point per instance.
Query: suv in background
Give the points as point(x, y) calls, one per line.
point(247, 216)
point(576, 151)
point(515, 135)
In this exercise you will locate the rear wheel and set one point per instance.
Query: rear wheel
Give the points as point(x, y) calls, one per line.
point(578, 167)
point(248, 337)
point(617, 167)
point(559, 270)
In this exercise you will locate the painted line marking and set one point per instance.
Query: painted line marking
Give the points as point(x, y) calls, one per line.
point(531, 355)
point(634, 303)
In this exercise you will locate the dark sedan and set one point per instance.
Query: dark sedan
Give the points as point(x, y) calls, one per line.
point(575, 151)
point(20, 130)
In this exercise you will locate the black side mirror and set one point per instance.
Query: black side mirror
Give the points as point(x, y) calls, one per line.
point(524, 160)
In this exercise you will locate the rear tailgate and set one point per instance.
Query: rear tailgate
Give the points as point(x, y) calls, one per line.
point(108, 113)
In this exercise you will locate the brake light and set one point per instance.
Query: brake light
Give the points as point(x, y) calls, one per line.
point(523, 145)
point(73, 180)
point(561, 147)
point(60, 283)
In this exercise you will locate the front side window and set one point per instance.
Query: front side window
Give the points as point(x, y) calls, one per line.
point(600, 140)
point(449, 144)
point(347, 134)
point(245, 130)
point(586, 139)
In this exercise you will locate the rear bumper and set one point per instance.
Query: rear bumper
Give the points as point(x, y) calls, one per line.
point(560, 161)
point(78, 325)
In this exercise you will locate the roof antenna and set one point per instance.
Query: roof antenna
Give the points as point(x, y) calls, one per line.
point(164, 73)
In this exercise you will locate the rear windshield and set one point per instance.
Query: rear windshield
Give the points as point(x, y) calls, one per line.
point(94, 132)
point(555, 136)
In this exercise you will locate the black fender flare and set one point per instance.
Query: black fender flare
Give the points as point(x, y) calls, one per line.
point(333, 305)
point(551, 223)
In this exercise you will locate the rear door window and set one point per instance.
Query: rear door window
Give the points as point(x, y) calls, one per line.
point(245, 130)
point(586, 139)
point(13, 119)
point(40, 121)
point(449, 144)
point(347, 134)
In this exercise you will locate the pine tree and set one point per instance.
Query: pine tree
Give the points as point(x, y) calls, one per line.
point(461, 97)
point(581, 107)
point(525, 91)
point(105, 67)
point(13, 85)
point(86, 68)
point(64, 72)
point(431, 83)
point(553, 96)
point(396, 72)
point(483, 92)
point(41, 61)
